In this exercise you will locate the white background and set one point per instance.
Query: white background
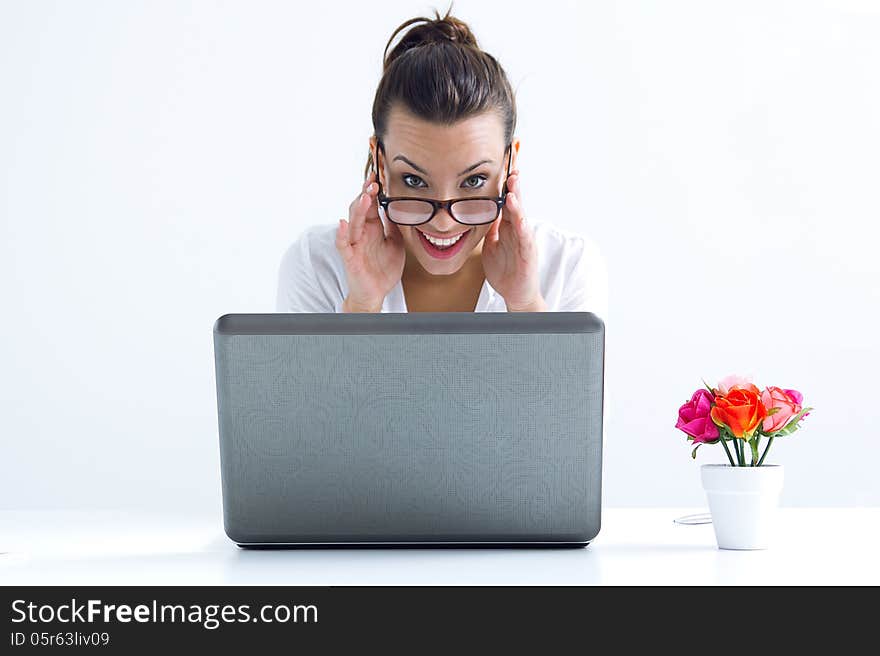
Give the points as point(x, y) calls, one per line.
point(156, 158)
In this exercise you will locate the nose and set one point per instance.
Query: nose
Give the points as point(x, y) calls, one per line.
point(443, 221)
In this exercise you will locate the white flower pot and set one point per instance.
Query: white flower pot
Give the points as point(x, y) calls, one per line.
point(743, 502)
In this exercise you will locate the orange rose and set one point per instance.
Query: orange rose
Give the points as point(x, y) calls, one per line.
point(741, 410)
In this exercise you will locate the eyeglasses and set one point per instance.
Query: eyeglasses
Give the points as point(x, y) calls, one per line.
point(412, 210)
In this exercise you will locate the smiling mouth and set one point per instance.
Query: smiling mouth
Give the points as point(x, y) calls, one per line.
point(443, 249)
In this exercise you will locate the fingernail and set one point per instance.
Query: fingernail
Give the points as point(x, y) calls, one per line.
point(370, 188)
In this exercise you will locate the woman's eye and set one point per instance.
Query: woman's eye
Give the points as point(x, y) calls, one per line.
point(415, 182)
point(479, 181)
point(408, 177)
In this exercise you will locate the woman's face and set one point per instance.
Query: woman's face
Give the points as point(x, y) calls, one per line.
point(443, 162)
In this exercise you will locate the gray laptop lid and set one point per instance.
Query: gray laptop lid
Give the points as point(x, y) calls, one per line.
point(410, 427)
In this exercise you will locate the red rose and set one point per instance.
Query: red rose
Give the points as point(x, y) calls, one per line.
point(740, 410)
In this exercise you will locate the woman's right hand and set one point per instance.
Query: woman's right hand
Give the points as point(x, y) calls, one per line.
point(373, 260)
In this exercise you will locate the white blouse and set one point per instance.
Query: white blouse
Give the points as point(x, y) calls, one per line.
point(572, 272)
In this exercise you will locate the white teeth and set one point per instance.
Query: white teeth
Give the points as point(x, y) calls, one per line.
point(443, 242)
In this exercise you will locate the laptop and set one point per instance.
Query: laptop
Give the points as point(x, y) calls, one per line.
point(410, 429)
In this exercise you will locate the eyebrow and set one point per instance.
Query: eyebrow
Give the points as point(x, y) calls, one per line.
point(421, 170)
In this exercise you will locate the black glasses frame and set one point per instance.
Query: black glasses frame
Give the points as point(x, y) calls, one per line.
point(384, 200)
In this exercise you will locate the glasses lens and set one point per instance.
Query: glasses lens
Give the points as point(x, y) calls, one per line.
point(409, 212)
point(475, 211)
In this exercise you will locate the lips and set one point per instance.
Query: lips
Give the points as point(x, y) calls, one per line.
point(444, 253)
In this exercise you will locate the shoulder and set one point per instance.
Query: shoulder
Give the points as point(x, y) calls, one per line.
point(315, 246)
point(311, 273)
point(555, 241)
point(573, 270)
point(316, 239)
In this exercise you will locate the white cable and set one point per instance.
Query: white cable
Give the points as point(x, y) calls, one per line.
point(699, 518)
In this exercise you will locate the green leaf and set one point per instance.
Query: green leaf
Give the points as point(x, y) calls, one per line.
point(694, 452)
point(773, 411)
point(792, 425)
point(708, 387)
point(801, 414)
point(786, 430)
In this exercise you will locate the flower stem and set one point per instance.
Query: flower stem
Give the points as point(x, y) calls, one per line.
point(766, 450)
point(754, 444)
point(741, 452)
point(726, 450)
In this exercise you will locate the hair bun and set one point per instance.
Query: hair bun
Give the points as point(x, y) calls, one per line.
point(450, 28)
point(424, 30)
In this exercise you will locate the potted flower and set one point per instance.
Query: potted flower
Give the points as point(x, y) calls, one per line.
point(744, 494)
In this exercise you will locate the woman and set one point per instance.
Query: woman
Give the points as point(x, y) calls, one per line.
point(443, 116)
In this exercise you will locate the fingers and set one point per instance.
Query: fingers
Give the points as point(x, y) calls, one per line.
point(513, 184)
point(360, 209)
point(392, 232)
point(513, 211)
point(512, 214)
point(342, 241)
point(513, 189)
point(358, 217)
point(492, 235)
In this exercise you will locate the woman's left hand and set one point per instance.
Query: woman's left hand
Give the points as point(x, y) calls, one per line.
point(510, 257)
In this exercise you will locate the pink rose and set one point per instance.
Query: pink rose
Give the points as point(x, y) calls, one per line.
point(729, 382)
point(693, 417)
point(788, 402)
point(798, 398)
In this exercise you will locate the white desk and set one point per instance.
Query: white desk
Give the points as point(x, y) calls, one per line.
point(635, 546)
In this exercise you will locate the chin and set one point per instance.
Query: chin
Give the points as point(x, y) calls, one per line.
point(439, 267)
point(442, 268)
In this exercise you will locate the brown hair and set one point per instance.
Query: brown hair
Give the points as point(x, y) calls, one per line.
point(438, 72)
